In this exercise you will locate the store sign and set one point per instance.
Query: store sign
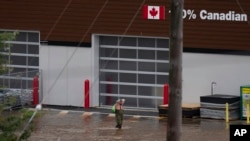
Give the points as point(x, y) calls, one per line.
point(191, 14)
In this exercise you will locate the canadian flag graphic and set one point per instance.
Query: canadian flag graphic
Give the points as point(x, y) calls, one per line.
point(154, 12)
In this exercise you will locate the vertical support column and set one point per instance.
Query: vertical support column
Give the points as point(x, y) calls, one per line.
point(227, 113)
point(165, 94)
point(35, 90)
point(86, 94)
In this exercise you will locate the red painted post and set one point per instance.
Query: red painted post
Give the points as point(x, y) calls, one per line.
point(86, 94)
point(165, 94)
point(35, 90)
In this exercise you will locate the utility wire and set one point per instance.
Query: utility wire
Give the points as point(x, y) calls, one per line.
point(87, 32)
point(84, 36)
point(124, 33)
point(58, 19)
point(242, 10)
point(50, 31)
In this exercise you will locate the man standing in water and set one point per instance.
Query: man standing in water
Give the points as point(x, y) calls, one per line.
point(119, 111)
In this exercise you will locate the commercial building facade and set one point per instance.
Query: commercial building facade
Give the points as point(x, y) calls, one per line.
point(81, 40)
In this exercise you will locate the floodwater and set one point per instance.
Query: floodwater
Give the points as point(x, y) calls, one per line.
point(66, 125)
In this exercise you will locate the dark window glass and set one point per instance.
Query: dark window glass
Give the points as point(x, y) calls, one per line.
point(18, 70)
point(162, 55)
point(127, 77)
point(147, 103)
point(32, 72)
point(108, 40)
point(146, 78)
point(33, 49)
point(127, 65)
point(33, 61)
point(21, 36)
point(33, 37)
point(108, 76)
point(146, 42)
point(146, 66)
point(18, 48)
point(162, 67)
point(127, 41)
point(109, 52)
point(108, 64)
point(162, 79)
point(146, 54)
point(108, 100)
point(162, 43)
point(127, 53)
point(109, 88)
point(128, 90)
point(18, 60)
point(145, 90)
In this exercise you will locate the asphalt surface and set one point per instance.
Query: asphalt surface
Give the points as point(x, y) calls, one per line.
point(99, 125)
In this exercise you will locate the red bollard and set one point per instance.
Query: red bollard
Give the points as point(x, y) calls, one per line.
point(35, 90)
point(165, 94)
point(86, 94)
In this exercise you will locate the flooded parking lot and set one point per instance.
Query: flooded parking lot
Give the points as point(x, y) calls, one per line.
point(66, 125)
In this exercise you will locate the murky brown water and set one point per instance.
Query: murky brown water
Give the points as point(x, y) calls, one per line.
point(81, 126)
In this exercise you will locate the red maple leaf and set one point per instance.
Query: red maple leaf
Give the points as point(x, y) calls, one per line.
point(153, 12)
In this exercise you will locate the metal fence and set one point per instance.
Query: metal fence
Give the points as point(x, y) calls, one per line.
point(16, 88)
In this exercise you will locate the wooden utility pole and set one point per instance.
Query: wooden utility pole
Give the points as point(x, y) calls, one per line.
point(174, 126)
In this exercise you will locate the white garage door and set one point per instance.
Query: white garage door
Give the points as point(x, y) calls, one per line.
point(134, 68)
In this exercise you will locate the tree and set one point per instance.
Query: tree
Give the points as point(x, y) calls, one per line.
point(11, 125)
point(6, 36)
point(174, 126)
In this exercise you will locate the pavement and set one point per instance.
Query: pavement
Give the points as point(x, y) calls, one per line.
point(99, 125)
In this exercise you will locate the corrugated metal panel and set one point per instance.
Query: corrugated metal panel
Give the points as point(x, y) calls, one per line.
point(217, 34)
point(76, 20)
